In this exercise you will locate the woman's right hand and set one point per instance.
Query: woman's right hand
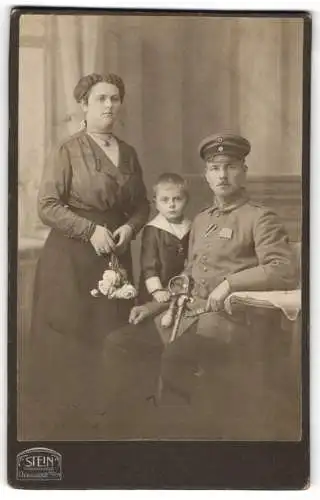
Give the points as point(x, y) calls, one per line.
point(102, 240)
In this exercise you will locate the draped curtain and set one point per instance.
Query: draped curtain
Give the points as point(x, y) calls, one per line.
point(79, 45)
point(186, 77)
point(71, 45)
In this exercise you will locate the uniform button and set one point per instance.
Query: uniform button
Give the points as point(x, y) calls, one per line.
point(203, 282)
point(204, 258)
point(205, 269)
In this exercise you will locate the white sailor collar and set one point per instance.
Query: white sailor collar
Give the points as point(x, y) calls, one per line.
point(179, 230)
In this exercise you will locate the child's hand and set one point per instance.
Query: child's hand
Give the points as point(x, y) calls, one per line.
point(138, 314)
point(161, 296)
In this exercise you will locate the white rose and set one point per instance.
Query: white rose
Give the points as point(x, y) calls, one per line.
point(111, 277)
point(105, 288)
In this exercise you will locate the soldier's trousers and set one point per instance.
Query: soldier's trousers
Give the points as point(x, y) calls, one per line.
point(209, 345)
point(208, 354)
point(212, 380)
point(187, 379)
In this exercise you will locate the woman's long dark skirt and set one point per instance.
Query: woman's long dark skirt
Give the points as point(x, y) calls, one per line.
point(68, 375)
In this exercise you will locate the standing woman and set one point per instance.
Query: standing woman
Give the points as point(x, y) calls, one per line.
point(93, 198)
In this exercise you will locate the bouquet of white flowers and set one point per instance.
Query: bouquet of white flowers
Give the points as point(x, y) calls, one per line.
point(114, 283)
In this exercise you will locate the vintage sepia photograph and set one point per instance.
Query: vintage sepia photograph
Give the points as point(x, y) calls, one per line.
point(160, 188)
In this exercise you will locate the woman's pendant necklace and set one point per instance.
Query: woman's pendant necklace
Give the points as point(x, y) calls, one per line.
point(107, 139)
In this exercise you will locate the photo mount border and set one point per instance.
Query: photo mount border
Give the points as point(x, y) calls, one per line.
point(161, 464)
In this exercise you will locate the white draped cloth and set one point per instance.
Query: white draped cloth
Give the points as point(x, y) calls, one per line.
point(288, 301)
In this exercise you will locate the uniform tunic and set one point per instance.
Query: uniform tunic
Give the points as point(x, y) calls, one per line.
point(242, 242)
point(80, 188)
point(164, 250)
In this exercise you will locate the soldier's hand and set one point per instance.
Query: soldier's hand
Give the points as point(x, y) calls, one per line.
point(138, 314)
point(217, 297)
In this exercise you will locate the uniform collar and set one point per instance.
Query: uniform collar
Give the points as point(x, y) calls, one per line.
point(179, 230)
point(239, 199)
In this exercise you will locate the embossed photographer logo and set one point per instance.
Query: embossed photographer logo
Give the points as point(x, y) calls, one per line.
point(39, 464)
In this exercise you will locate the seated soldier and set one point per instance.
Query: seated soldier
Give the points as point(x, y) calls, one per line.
point(235, 244)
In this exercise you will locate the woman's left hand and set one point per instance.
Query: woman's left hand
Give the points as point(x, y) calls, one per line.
point(122, 236)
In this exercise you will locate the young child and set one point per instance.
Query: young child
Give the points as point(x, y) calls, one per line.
point(165, 238)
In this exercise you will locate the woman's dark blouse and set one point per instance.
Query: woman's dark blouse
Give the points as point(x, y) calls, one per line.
point(79, 175)
point(163, 255)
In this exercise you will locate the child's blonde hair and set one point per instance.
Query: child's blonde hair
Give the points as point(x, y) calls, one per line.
point(171, 178)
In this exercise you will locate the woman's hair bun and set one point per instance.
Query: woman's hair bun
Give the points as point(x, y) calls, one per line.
point(82, 89)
